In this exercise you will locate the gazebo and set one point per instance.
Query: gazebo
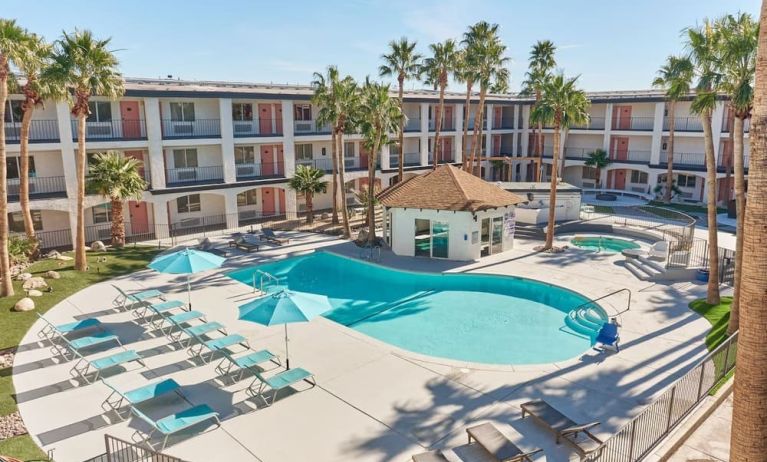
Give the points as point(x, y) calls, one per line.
point(448, 213)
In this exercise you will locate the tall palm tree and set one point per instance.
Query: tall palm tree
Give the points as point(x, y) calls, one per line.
point(118, 179)
point(750, 395)
point(437, 69)
point(12, 38)
point(466, 72)
point(740, 35)
point(562, 104)
point(541, 64)
point(324, 97)
point(674, 77)
point(379, 115)
point(598, 159)
point(308, 181)
point(84, 66)
point(348, 97)
point(703, 45)
point(403, 62)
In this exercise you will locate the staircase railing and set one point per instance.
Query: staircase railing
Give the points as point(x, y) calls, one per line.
point(118, 450)
point(628, 302)
point(261, 276)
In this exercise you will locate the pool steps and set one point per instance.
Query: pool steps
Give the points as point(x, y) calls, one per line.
point(644, 268)
point(586, 321)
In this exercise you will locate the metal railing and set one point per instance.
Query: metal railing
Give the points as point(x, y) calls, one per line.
point(355, 163)
point(594, 123)
point(326, 165)
point(259, 170)
point(257, 127)
point(684, 124)
point(615, 292)
point(39, 186)
point(310, 127)
point(53, 239)
point(448, 125)
point(685, 159)
point(194, 175)
point(413, 124)
point(410, 159)
point(633, 123)
point(445, 157)
point(726, 125)
point(112, 130)
point(40, 131)
point(118, 450)
point(642, 434)
point(726, 160)
point(579, 153)
point(200, 128)
point(630, 156)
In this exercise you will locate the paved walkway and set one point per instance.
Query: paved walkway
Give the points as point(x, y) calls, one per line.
point(374, 402)
point(711, 441)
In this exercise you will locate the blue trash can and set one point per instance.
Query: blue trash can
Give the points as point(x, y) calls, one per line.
point(702, 275)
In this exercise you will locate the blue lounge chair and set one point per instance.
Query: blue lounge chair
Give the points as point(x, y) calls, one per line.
point(175, 423)
point(98, 338)
point(193, 332)
point(278, 382)
point(243, 362)
point(50, 330)
point(608, 336)
point(117, 398)
point(216, 345)
point(83, 367)
point(140, 296)
point(156, 309)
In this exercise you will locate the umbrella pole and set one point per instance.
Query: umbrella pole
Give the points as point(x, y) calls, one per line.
point(189, 292)
point(287, 355)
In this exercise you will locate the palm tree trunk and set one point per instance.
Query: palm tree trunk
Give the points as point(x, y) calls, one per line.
point(371, 195)
point(81, 262)
point(728, 164)
point(712, 294)
point(475, 131)
point(309, 208)
point(118, 224)
point(347, 233)
point(476, 153)
point(553, 193)
point(401, 154)
point(670, 152)
point(740, 207)
point(334, 162)
point(539, 140)
point(481, 145)
point(6, 284)
point(26, 213)
point(466, 114)
point(436, 148)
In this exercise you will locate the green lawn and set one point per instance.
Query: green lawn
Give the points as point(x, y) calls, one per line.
point(603, 209)
point(15, 325)
point(686, 207)
point(718, 316)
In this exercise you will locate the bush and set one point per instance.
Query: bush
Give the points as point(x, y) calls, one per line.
point(20, 249)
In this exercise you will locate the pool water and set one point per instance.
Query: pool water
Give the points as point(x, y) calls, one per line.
point(604, 244)
point(468, 317)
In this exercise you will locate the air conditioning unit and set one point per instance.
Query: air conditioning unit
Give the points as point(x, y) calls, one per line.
point(248, 214)
point(685, 195)
point(97, 130)
point(181, 128)
point(638, 189)
point(244, 127)
point(304, 126)
point(187, 175)
point(246, 170)
point(190, 222)
point(589, 184)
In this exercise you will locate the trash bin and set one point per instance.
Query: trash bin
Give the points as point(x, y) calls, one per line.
point(702, 275)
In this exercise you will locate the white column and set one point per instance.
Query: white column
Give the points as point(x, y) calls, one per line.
point(230, 208)
point(608, 127)
point(227, 140)
point(488, 135)
point(291, 204)
point(161, 222)
point(458, 141)
point(514, 123)
point(154, 139)
point(67, 148)
point(657, 133)
point(424, 134)
point(288, 143)
point(385, 152)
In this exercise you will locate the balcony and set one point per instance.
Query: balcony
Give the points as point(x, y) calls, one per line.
point(257, 127)
point(507, 123)
point(634, 123)
point(445, 157)
point(40, 131)
point(725, 161)
point(579, 153)
point(412, 124)
point(694, 160)
point(310, 127)
point(684, 124)
point(410, 159)
point(471, 124)
point(594, 123)
point(746, 125)
point(188, 176)
point(355, 163)
point(112, 130)
point(632, 157)
point(260, 170)
point(200, 128)
point(40, 187)
point(326, 165)
point(447, 125)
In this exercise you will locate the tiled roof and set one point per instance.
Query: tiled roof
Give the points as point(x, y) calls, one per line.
point(447, 188)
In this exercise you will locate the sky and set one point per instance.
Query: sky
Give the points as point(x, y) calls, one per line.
point(612, 45)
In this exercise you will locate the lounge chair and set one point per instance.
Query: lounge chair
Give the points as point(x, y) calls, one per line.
point(158, 309)
point(117, 398)
point(174, 423)
point(268, 235)
point(85, 366)
point(659, 250)
point(244, 244)
point(50, 330)
point(563, 427)
point(206, 245)
point(246, 361)
point(140, 296)
point(216, 345)
point(608, 337)
point(193, 332)
point(278, 382)
point(497, 444)
point(431, 456)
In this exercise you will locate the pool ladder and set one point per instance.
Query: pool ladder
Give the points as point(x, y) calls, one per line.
point(587, 318)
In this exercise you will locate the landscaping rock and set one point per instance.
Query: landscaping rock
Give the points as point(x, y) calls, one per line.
point(98, 246)
point(11, 425)
point(34, 283)
point(25, 304)
point(53, 255)
point(6, 358)
point(23, 276)
point(52, 274)
point(34, 293)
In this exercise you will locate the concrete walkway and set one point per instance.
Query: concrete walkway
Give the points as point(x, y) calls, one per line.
point(373, 402)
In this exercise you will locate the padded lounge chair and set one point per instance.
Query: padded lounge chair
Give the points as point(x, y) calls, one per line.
point(267, 234)
point(140, 296)
point(278, 382)
point(497, 444)
point(244, 244)
point(174, 423)
point(563, 427)
point(117, 398)
point(431, 456)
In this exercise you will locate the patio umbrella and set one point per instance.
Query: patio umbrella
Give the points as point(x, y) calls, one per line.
point(284, 307)
point(186, 261)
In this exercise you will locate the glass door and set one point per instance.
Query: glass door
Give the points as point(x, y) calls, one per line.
point(484, 241)
point(496, 246)
point(422, 238)
point(439, 239)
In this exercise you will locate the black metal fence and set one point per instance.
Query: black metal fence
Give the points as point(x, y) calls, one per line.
point(118, 450)
point(640, 436)
point(200, 128)
point(40, 131)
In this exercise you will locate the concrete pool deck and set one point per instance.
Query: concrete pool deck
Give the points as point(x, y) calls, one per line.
point(373, 402)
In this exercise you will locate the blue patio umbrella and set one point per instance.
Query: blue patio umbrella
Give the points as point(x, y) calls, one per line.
point(284, 307)
point(186, 261)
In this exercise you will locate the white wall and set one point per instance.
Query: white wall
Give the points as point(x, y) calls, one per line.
point(207, 155)
point(210, 205)
point(204, 108)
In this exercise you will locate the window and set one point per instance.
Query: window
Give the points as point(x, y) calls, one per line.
point(303, 152)
point(182, 112)
point(247, 198)
point(16, 221)
point(638, 177)
point(100, 111)
point(188, 204)
point(242, 112)
point(303, 112)
point(102, 213)
point(244, 155)
point(349, 149)
point(686, 181)
point(14, 167)
point(185, 158)
point(589, 173)
point(13, 111)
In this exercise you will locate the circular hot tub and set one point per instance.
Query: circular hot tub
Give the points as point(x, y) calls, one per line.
point(608, 197)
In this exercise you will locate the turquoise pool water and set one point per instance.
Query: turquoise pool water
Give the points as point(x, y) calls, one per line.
point(604, 244)
point(478, 318)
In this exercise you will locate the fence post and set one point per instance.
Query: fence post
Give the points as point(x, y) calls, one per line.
point(700, 382)
point(631, 444)
point(726, 357)
point(106, 448)
point(670, 408)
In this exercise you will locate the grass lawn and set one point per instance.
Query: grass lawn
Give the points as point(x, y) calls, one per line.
point(603, 209)
point(15, 325)
point(718, 316)
point(686, 207)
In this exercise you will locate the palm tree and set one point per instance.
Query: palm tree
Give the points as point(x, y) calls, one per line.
point(308, 181)
point(403, 62)
point(750, 395)
point(740, 35)
point(118, 179)
point(347, 95)
point(324, 97)
point(703, 45)
point(12, 38)
point(562, 105)
point(598, 159)
point(84, 66)
point(437, 69)
point(541, 63)
point(378, 115)
point(466, 72)
point(674, 77)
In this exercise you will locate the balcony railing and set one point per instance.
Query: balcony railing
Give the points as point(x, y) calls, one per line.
point(194, 175)
point(200, 128)
point(579, 153)
point(445, 157)
point(746, 125)
point(471, 124)
point(448, 125)
point(630, 156)
point(684, 124)
point(594, 123)
point(506, 123)
point(413, 124)
point(326, 165)
point(257, 127)
point(40, 131)
point(410, 159)
point(310, 127)
point(39, 187)
point(633, 123)
point(112, 130)
point(355, 163)
point(259, 170)
point(685, 159)
point(721, 160)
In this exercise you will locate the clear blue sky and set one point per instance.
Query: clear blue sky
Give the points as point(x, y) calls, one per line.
point(613, 45)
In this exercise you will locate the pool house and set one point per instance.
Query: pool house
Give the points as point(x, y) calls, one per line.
point(448, 213)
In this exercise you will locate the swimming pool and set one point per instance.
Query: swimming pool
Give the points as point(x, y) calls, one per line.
point(604, 244)
point(468, 317)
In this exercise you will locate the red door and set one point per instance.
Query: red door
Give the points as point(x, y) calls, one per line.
point(139, 218)
point(138, 155)
point(497, 116)
point(267, 201)
point(265, 119)
point(446, 150)
point(277, 111)
point(622, 118)
point(280, 153)
point(364, 153)
point(725, 158)
point(267, 160)
point(620, 148)
point(620, 179)
point(496, 145)
point(129, 113)
point(447, 122)
point(281, 193)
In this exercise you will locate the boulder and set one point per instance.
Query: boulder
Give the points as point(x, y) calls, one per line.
point(98, 246)
point(23, 276)
point(52, 274)
point(34, 293)
point(25, 304)
point(53, 255)
point(34, 283)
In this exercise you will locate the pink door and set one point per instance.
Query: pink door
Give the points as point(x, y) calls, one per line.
point(448, 119)
point(139, 218)
point(446, 151)
point(363, 157)
point(277, 111)
point(281, 193)
point(267, 201)
point(138, 155)
point(280, 161)
point(611, 179)
point(496, 145)
point(497, 116)
point(267, 161)
point(129, 113)
point(620, 148)
point(620, 179)
point(622, 118)
point(265, 119)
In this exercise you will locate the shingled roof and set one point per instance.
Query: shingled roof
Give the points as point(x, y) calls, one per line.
point(447, 188)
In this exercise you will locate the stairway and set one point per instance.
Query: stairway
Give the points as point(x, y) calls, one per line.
point(529, 233)
point(644, 268)
point(587, 320)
